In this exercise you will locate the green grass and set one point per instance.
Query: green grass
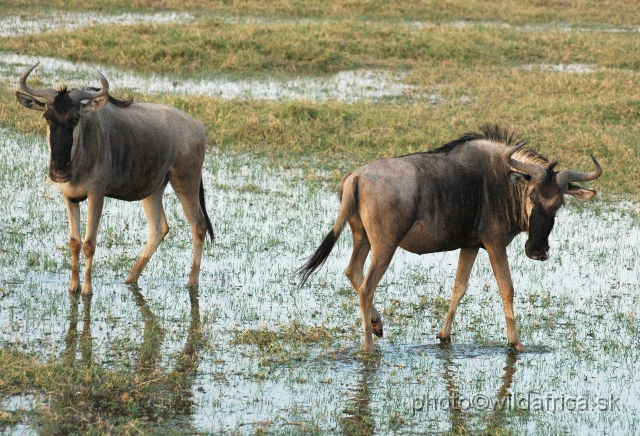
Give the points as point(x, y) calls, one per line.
point(213, 46)
point(614, 12)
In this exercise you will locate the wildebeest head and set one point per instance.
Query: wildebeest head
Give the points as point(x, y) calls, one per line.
point(63, 111)
point(545, 195)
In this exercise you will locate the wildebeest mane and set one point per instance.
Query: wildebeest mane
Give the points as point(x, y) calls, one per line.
point(501, 135)
point(118, 102)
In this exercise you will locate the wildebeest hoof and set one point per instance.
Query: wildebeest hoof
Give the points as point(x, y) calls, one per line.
point(444, 339)
point(131, 279)
point(376, 327)
point(517, 346)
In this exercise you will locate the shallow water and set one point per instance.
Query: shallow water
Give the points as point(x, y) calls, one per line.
point(576, 313)
point(347, 86)
point(57, 20)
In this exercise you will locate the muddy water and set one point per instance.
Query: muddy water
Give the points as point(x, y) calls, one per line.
point(576, 313)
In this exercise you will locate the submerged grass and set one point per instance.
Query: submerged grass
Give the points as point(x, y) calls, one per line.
point(213, 46)
point(286, 344)
point(295, 333)
point(616, 12)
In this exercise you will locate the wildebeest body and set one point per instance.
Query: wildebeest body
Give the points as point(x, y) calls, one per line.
point(105, 147)
point(450, 201)
point(141, 145)
point(478, 191)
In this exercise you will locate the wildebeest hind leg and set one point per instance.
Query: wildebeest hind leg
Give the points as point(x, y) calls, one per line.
point(191, 205)
point(355, 270)
point(465, 264)
point(158, 229)
point(379, 263)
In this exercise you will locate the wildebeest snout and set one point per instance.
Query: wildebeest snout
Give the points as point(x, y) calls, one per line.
point(536, 253)
point(60, 173)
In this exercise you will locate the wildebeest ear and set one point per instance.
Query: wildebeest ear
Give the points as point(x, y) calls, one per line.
point(95, 104)
point(579, 192)
point(519, 178)
point(29, 102)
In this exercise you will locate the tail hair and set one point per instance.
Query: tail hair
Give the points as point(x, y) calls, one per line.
point(204, 211)
point(348, 202)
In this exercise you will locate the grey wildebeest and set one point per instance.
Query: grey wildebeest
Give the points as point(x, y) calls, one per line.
point(124, 149)
point(478, 191)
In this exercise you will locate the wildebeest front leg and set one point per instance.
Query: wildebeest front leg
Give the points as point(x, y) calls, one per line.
point(73, 213)
point(355, 270)
point(500, 265)
point(465, 264)
point(94, 211)
point(158, 229)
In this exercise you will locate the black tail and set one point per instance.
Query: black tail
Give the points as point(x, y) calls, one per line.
point(348, 192)
point(317, 259)
point(204, 210)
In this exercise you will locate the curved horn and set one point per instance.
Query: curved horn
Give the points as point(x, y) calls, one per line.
point(565, 177)
point(48, 93)
point(537, 173)
point(79, 94)
point(105, 85)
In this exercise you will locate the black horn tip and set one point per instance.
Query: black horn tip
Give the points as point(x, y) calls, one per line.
point(597, 165)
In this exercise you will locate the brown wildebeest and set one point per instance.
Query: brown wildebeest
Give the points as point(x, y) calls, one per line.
point(106, 147)
point(478, 191)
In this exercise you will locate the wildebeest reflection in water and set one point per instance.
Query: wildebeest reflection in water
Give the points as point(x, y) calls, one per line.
point(155, 390)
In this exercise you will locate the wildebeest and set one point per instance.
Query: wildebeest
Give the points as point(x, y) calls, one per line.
point(102, 146)
point(477, 191)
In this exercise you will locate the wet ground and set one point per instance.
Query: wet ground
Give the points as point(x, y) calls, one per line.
point(576, 313)
point(345, 86)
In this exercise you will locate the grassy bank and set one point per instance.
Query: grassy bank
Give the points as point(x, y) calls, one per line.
point(212, 46)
